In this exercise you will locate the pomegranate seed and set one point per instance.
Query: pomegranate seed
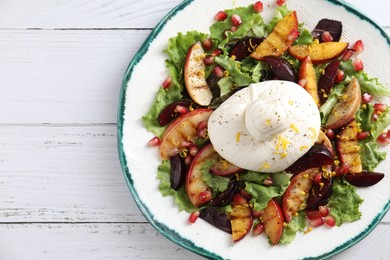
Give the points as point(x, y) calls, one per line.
point(357, 64)
point(181, 109)
point(236, 20)
point(358, 47)
point(324, 211)
point(383, 139)
point(245, 194)
point(367, 98)
point(374, 117)
point(379, 107)
point(347, 55)
point(293, 35)
point(257, 213)
point(221, 16)
point(258, 6)
point(234, 28)
point(219, 71)
point(167, 82)
point(330, 221)
point(326, 37)
point(209, 60)
point(258, 229)
point(216, 52)
point(268, 181)
point(362, 135)
point(339, 76)
point(201, 125)
point(388, 133)
point(317, 222)
point(186, 144)
point(155, 141)
point(203, 133)
point(174, 152)
point(207, 44)
point(302, 82)
point(330, 134)
point(188, 160)
point(280, 2)
point(313, 214)
point(193, 150)
point(343, 169)
point(205, 196)
point(194, 216)
point(239, 200)
point(318, 178)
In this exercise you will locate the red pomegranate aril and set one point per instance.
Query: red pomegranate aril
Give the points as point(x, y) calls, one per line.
point(326, 37)
point(207, 44)
point(347, 55)
point(330, 134)
point(201, 125)
point(167, 82)
point(194, 216)
point(302, 82)
point(236, 20)
point(357, 64)
point(203, 133)
point(258, 229)
point(374, 117)
point(362, 135)
point(258, 6)
point(313, 214)
point(205, 196)
point(268, 181)
point(379, 107)
point(209, 60)
point(317, 222)
point(234, 28)
point(383, 139)
point(193, 150)
point(367, 98)
point(238, 199)
point(318, 178)
point(343, 169)
point(339, 76)
point(324, 211)
point(181, 109)
point(188, 159)
point(330, 221)
point(280, 2)
point(155, 141)
point(221, 16)
point(358, 47)
point(219, 71)
point(294, 34)
point(216, 52)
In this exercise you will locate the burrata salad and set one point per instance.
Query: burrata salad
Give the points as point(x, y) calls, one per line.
point(267, 127)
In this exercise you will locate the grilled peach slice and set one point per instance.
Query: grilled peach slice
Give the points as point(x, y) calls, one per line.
point(240, 218)
point(319, 52)
point(273, 221)
point(294, 198)
point(197, 190)
point(307, 74)
point(194, 75)
point(348, 147)
point(182, 128)
point(346, 107)
point(283, 35)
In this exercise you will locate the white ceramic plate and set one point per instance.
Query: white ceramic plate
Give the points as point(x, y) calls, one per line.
point(139, 162)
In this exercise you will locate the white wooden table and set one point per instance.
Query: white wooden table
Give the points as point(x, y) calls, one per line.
point(62, 193)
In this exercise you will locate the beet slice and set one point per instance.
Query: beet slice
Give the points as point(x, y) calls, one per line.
point(326, 81)
point(216, 218)
point(244, 47)
point(281, 68)
point(319, 195)
point(334, 27)
point(178, 172)
point(226, 197)
point(169, 113)
point(319, 155)
point(364, 179)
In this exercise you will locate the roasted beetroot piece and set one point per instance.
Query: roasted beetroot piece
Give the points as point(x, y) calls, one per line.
point(216, 218)
point(364, 178)
point(171, 112)
point(226, 197)
point(281, 68)
point(244, 47)
point(178, 172)
point(224, 168)
point(327, 79)
point(319, 155)
point(335, 29)
point(319, 194)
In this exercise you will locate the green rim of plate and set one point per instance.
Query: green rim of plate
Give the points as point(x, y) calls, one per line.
point(162, 228)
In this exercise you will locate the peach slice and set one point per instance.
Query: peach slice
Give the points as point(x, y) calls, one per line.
point(240, 219)
point(307, 74)
point(319, 52)
point(273, 221)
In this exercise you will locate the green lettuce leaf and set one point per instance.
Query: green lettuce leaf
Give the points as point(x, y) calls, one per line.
point(344, 202)
point(280, 13)
point(305, 37)
point(297, 224)
point(180, 196)
point(216, 183)
point(240, 78)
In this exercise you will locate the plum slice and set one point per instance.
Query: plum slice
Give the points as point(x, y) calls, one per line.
point(334, 27)
point(178, 172)
point(281, 68)
point(244, 47)
point(169, 113)
point(226, 197)
point(318, 155)
point(364, 178)
point(216, 218)
point(319, 194)
point(326, 81)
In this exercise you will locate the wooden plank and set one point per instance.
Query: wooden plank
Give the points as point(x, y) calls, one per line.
point(83, 13)
point(63, 76)
point(133, 241)
point(63, 174)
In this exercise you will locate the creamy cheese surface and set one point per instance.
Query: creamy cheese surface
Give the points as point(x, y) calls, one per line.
point(265, 127)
